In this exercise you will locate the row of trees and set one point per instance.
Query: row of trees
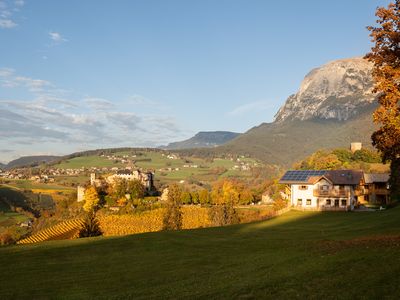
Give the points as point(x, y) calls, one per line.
point(338, 159)
point(222, 213)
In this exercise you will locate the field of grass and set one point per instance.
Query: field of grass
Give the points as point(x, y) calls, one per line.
point(29, 185)
point(160, 163)
point(87, 162)
point(300, 255)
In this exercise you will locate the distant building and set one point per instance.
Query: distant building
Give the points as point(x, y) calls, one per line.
point(355, 146)
point(80, 193)
point(146, 178)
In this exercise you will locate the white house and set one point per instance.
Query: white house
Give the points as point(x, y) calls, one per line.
point(322, 190)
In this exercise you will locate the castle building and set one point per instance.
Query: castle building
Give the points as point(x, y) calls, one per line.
point(146, 178)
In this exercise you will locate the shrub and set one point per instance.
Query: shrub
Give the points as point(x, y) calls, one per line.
point(224, 214)
point(6, 239)
point(280, 204)
point(90, 227)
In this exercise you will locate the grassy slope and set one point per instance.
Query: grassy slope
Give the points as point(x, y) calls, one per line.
point(282, 258)
point(155, 161)
point(29, 185)
point(288, 142)
point(87, 161)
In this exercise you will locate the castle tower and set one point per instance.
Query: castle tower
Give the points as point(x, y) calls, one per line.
point(355, 146)
point(80, 193)
point(92, 178)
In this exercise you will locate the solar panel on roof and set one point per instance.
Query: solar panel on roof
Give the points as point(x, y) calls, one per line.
point(301, 175)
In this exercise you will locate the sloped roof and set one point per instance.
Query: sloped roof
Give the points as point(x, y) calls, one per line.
point(124, 172)
point(376, 177)
point(344, 177)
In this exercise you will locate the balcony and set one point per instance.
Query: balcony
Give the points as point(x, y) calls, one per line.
point(331, 193)
point(379, 191)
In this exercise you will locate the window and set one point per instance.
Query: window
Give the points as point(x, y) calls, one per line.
point(324, 187)
point(344, 202)
point(336, 202)
point(341, 187)
point(308, 201)
point(303, 187)
point(328, 202)
point(299, 202)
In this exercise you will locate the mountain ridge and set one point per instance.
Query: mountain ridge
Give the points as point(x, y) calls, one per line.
point(332, 108)
point(203, 139)
point(30, 161)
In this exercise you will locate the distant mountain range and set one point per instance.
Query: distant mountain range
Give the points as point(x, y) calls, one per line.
point(203, 139)
point(29, 161)
point(332, 108)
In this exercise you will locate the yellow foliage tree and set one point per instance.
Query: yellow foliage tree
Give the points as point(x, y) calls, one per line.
point(91, 199)
point(385, 55)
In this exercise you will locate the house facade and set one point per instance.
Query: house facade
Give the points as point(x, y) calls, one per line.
point(374, 189)
point(322, 190)
point(146, 178)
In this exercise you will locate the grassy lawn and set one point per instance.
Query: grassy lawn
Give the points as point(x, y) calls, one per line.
point(299, 255)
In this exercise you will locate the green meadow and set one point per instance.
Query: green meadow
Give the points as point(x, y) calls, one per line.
point(181, 168)
point(299, 255)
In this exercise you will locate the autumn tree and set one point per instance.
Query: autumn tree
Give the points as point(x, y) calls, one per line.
point(173, 216)
point(91, 198)
point(119, 188)
point(224, 195)
point(385, 55)
point(136, 189)
point(204, 196)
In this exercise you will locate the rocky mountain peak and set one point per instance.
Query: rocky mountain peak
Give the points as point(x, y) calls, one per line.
point(337, 90)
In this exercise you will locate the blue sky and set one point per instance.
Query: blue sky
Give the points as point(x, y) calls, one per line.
point(77, 75)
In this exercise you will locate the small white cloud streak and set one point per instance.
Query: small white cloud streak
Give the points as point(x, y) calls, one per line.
point(19, 3)
point(250, 107)
point(57, 37)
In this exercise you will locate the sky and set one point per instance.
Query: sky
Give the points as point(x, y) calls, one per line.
point(79, 75)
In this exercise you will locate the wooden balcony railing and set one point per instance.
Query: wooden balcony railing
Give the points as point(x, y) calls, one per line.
point(331, 193)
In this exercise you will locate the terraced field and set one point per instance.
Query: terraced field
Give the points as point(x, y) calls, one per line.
point(64, 230)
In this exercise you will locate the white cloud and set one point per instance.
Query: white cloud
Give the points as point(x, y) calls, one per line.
point(57, 37)
point(9, 80)
point(250, 107)
point(6, 72)
point(99, 104)
point(7, 10)
point(7, 23)
point(19, 3)
point(60, 119)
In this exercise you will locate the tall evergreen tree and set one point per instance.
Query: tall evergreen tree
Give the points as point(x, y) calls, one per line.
point(385, 54)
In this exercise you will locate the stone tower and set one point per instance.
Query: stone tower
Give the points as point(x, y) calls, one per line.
point(355, 146)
